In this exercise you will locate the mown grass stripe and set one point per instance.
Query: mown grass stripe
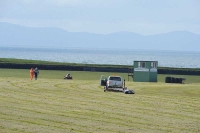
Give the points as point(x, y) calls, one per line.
point(57, 105)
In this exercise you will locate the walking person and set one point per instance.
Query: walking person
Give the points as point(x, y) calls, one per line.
point(31, 73)
point(36, 72)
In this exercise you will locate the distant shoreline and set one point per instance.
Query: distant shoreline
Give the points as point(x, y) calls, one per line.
point(90, 48)
point(175, 59)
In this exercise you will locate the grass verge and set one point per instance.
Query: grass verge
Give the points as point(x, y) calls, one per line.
point(51, 104)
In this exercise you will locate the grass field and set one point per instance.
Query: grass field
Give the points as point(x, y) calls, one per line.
point(53, 105)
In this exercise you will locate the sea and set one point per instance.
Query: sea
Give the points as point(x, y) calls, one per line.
point(176, 59)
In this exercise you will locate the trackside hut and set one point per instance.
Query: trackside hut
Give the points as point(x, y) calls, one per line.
point(145, 71)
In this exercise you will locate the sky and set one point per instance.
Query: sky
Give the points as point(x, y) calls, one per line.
point(145, 17)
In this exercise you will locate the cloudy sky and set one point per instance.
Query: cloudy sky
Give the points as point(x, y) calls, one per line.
point(145, 17)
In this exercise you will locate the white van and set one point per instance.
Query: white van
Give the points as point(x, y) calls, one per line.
point(114, 82)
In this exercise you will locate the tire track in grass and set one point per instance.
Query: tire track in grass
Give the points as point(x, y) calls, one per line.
point(148, 111)
point(45, 120)
point(79, 120)
point(39, 121)
point(31, 128)
point(4, 127)
point(78, 117)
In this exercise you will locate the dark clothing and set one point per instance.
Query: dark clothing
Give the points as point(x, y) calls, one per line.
point(36, 72)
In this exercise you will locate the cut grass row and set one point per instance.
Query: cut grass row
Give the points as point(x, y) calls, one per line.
point(51, 104)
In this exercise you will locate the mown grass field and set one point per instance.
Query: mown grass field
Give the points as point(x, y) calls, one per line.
point(53, 105)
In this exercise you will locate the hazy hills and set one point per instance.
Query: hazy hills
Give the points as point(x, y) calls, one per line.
point(16, 35)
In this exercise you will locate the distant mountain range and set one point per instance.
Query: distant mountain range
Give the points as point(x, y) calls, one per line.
point(16, 35)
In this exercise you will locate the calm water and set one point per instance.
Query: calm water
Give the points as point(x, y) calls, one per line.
point(117, 57)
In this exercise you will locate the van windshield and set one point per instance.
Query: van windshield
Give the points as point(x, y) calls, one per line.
point(115, 78)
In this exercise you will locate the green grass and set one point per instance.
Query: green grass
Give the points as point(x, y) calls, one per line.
point(51, 104)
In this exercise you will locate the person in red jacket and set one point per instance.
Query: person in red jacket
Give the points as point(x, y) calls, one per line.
point(31, 73)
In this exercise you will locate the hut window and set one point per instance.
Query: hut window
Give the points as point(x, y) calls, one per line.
point(153, 65)
point(141, 64)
